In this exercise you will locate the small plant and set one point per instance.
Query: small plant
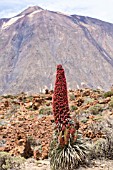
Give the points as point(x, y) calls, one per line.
point(67, 149)
point(84, 120)
point(72, 96)
point(45, 110)
point(8, 162)
point(108, 94)
point(96, 109)
point(8, 96)
point(103, 147)
point(73, 108)
point(88, 100)
point(31, 140)
point(111, 103)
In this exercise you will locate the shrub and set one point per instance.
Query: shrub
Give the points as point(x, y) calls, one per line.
point(72, 96)
point(108, 94)
point(96, 109)
point(103, 147)
point(45, 110)
point(8, 162)
point(111, 102)
point(73, 108)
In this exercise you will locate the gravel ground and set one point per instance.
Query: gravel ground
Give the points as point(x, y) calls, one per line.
point(45, 165)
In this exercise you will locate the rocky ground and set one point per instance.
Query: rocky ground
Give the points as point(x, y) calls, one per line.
point(26, 127)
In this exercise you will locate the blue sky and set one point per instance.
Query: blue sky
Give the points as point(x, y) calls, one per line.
point(100, 9)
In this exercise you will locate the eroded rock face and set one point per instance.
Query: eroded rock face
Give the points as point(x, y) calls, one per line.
point(16, 142)
point(22, 133)
point(29, 138)
point(35, 41)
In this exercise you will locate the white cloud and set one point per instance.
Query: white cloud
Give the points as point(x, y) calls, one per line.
point(101, 9)
point(8, 13)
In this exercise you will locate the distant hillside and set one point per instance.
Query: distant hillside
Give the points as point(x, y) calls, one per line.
point(35, 41)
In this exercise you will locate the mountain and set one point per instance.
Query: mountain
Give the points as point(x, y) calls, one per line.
point(35, 41)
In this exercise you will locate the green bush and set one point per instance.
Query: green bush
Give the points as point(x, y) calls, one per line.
point(108, 94)
point(8, 162)
point(111, 103)
point(73, 108)
point(96, 109)
point(72, 96)
point(45, 111)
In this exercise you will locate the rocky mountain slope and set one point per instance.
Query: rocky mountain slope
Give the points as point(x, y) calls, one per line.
point(35, 41)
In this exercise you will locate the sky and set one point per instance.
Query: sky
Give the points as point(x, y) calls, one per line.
point(100, 9)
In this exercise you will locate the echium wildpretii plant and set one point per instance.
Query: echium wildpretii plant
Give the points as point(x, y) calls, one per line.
point(67, 149)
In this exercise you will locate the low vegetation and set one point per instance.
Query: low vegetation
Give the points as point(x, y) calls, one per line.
point(8, 162)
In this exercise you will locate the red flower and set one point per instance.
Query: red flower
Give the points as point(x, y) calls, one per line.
point(60, 99)
point(65, 129)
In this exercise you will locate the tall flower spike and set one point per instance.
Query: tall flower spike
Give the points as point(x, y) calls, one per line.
point(67, 149)
point(60, 99)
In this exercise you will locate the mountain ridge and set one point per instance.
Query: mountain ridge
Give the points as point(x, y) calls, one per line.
point(36, 40)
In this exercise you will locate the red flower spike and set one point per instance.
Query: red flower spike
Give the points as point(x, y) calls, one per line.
point(60, 99)
point(65, 129)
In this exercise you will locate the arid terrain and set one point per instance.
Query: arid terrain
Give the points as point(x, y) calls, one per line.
point(27, 125)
